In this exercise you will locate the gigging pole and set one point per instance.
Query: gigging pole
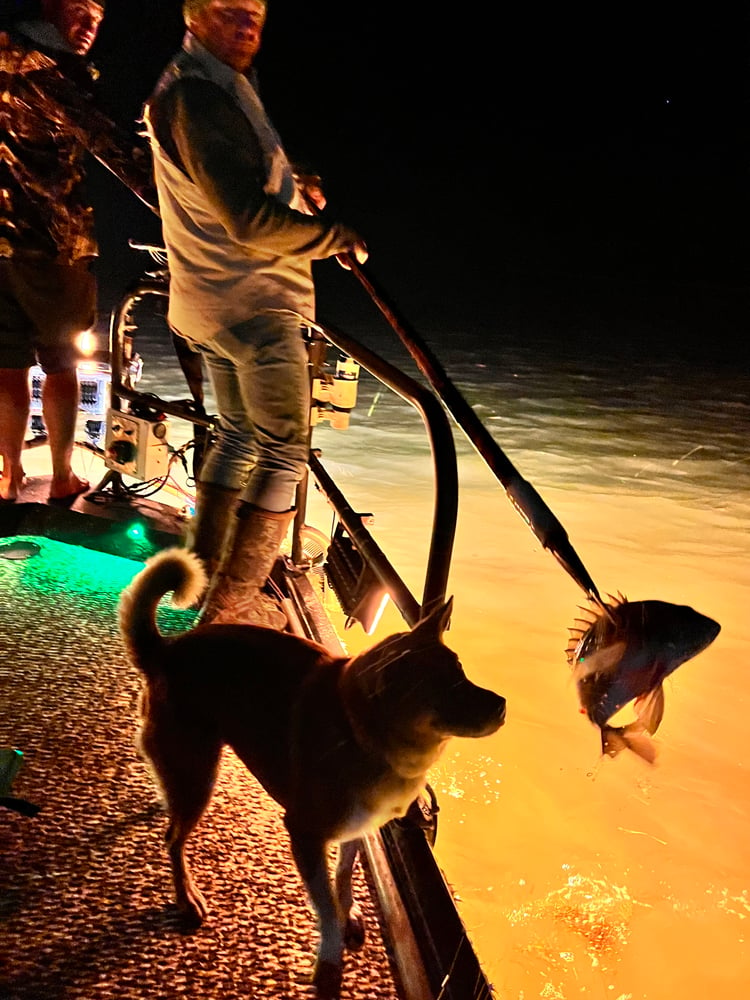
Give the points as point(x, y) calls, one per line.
point(520, 492)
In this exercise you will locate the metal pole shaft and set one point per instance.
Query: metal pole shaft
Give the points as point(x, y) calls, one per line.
point(521, 493)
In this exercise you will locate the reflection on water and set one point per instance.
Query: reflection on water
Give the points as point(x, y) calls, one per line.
point(577, 876)
point(587, 920)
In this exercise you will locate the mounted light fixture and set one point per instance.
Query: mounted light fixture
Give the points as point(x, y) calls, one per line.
point(361, 594)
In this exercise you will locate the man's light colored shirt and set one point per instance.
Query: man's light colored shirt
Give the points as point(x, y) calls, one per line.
point(237, 243)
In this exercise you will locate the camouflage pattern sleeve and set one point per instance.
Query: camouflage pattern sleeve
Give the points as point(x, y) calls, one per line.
point(62, 100)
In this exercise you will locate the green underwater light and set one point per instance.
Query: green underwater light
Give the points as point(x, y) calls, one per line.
point(18, 549)
point(137, 531)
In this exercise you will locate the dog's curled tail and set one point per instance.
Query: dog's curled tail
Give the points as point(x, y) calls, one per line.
point(172, 570)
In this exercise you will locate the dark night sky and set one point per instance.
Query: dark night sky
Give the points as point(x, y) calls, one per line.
point(488, 149)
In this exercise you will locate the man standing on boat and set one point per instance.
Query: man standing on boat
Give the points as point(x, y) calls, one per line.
point(240, 242)
point(48, 119)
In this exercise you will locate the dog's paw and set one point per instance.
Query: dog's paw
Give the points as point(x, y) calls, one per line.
point(354, 931)
point(193, 910)
point(327, 980)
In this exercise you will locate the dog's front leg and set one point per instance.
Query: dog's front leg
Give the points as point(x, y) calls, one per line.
point(354, 931)
point(310, 854)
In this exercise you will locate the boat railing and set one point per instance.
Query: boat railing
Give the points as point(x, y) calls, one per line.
point(437, 427)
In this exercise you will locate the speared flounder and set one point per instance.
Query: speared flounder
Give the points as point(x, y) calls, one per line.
point(621, 652)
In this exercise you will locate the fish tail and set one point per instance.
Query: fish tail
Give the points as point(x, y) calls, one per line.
point(631, 737)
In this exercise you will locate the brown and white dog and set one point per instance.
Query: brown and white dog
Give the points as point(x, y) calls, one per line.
point(343, 745)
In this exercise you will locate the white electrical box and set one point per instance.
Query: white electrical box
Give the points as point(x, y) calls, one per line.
point(135, 446)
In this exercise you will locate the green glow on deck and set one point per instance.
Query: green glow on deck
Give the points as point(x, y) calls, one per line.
point(74, 577)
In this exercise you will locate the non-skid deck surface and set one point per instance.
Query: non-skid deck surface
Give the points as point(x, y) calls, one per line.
point(85, 892)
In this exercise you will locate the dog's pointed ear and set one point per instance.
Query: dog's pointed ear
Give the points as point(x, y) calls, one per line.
point(435, 620)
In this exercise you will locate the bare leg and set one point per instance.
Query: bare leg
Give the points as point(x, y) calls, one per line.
point(15, 402)
point(60, 406)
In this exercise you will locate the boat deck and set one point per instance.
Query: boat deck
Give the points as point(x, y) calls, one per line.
point(85, 890)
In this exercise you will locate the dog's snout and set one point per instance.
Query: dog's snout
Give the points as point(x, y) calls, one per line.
point(496, 713)
point(473, 711)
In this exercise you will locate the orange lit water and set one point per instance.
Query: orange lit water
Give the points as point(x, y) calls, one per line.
point(579, 877)
point(603, 878)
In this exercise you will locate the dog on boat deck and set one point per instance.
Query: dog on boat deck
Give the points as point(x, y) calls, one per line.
point(343, 745)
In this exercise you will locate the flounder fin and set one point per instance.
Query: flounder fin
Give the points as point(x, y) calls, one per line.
point(650, 708)
point(620, 599)
point(633, 737)
point(578, 630)
point(610, 611)
point(603, 610)
point(574, 642)
point(603, 661)
point(590, 615)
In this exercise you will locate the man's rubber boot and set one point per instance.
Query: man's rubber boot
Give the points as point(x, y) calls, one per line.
point(215, 507)
point(235, 595)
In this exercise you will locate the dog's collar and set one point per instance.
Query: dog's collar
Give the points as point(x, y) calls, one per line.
point(358, 710)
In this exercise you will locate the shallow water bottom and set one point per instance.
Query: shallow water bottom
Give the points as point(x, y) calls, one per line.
point(577, 875)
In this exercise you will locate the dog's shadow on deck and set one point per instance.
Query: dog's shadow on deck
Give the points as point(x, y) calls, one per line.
point(93, 917)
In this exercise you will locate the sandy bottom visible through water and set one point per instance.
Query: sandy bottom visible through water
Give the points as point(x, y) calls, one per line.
point(578, 876)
